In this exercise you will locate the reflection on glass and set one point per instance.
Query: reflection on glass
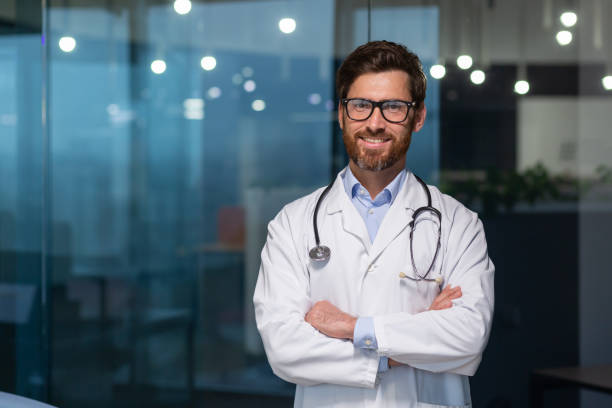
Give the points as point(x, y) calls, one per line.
point(247, 72)
point(158, 66)
point(237, 79)
point(208, 63)
point(287, 25)
point(314, 99)
point(67, 44)
point(182, 6)
point(437, 71)
point(214, 92)
point(249, 85)
point(258, 105)
point(163, 185)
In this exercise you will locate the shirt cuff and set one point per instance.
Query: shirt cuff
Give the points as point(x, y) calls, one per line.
point(383, 364)
point(364, 335)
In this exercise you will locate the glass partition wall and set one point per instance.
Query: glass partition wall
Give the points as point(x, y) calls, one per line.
point(145, 145)
point(179, 130)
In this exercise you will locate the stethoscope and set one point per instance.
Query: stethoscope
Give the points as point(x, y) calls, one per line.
point(321, 253)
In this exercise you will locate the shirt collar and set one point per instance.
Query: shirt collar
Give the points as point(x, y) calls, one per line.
point(352, 187)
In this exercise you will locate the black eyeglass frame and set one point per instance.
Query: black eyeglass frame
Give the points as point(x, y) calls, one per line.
point(378, 104)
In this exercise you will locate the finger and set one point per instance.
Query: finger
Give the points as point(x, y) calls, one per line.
point(444, 294)
point(455, 294)
point(393, 363)
point(436, 305)
point(447, 304)
point(444, 304)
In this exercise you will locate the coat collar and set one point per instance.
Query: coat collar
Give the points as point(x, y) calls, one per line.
point(409, 197)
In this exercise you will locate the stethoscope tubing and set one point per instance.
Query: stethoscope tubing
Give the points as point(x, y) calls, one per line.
point(322, 252)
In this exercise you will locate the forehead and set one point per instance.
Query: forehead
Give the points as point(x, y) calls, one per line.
point(381, 85)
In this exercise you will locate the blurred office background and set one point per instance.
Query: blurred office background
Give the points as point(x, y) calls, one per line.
point(145, 144)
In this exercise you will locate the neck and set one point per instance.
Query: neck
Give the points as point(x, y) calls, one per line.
point(376, 181)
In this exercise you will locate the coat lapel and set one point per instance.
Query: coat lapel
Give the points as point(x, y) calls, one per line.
point(399, 215)
point(338, 201)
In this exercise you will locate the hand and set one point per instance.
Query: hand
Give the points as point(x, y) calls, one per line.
point(331, 321)
point(444, 299)
point(393, 363)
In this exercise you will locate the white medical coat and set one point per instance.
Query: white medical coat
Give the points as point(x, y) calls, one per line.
point(362, 279)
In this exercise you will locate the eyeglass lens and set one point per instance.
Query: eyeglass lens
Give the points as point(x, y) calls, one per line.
point(393, 111)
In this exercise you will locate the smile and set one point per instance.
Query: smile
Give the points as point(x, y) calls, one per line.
point(372, 141)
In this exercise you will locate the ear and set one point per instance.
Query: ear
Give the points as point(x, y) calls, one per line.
point(340, 115)
point(419, 119)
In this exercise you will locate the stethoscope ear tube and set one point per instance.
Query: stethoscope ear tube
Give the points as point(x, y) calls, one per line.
point(425, 209)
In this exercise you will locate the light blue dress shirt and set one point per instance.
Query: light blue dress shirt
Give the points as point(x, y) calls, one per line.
point(372, 212)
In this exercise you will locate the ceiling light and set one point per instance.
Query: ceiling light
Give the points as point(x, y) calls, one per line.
point(258, 105)
point(214, 92)
point(564, 37)
point(314, 99)
point(208, 63)
point(67, 44)
point(158, 66)
point(287, 25)
point(464, 61)
point(247, 72)
point(521, 87)
point(569, 19)
point(182, 6)
point(249, 85)
point(477, 77)
point(437, 71)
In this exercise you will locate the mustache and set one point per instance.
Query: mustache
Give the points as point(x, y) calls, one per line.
point(379, 135)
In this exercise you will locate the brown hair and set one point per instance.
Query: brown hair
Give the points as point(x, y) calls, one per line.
point(381, 56)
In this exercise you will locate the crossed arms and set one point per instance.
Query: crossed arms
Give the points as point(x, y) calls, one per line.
point(333, 322)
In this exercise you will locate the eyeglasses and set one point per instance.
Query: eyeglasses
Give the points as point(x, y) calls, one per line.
point(394, 111)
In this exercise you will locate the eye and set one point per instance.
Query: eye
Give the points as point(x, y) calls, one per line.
point(394, 106)
point(360, 104)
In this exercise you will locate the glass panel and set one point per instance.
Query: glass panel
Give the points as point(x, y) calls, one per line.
point(22, 321)
point(175, 139)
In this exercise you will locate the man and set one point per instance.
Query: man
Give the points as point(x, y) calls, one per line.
point(371, 325)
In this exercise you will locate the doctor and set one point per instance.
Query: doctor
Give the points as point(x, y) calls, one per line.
point(362, 328)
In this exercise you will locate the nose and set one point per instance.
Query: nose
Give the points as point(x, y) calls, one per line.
point(376, 122)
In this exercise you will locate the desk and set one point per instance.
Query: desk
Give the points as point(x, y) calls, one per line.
point(596, 378)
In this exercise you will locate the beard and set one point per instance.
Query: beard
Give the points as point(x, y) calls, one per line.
point(375, 159)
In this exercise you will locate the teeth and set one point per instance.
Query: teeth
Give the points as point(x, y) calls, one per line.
point(369, 140)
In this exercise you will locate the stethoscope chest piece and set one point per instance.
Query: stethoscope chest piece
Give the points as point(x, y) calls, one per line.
point(320, 253)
